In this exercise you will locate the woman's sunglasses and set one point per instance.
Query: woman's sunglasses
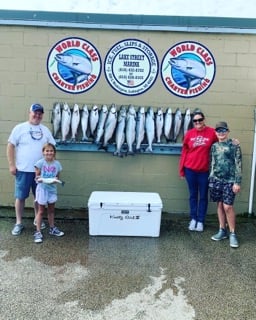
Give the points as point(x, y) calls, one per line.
point(198, 120)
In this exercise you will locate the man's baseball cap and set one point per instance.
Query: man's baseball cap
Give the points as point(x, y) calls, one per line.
point(221, 124)
point(36, 107)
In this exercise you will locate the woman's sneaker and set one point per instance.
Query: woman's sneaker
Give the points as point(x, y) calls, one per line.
point(192, 225)
point(38, 237)
point(199, 227)
point(56, 232)
point(222, 234)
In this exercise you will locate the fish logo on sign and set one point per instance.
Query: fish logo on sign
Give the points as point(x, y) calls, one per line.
point(74, 65)
point(188, 69)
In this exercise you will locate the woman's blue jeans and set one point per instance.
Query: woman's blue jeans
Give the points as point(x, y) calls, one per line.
point(198, 193)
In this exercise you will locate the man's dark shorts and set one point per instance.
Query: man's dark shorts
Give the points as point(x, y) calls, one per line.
point(221, 191)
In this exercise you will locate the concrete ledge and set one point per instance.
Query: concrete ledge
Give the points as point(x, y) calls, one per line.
point(82, 214)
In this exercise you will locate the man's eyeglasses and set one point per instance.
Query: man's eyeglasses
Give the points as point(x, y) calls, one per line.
point(221, 130)
point(198, 120)
point(36, 134)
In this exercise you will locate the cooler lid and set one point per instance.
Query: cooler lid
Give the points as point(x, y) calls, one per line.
point(115, 198)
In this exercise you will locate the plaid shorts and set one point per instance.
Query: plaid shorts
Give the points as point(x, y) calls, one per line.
point(221, 191)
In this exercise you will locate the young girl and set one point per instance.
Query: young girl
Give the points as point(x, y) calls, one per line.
point(46, 193)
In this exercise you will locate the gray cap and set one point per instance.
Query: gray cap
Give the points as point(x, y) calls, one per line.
point(221, 124)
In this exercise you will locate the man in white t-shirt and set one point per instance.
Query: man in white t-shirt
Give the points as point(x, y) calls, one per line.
point(24, 149)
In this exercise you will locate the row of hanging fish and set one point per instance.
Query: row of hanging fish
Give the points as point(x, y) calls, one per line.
point(125, 127)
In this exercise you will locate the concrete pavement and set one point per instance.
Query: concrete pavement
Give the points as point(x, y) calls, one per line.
point(180, 275)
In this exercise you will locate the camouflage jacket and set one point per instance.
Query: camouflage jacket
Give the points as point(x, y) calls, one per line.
point(226, 162)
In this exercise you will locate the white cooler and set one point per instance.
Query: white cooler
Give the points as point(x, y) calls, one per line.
point(124, 213)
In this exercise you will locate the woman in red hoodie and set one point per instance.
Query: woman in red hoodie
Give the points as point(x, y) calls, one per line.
point(194, 166)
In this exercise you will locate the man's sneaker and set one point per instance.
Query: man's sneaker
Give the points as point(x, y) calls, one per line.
point(233, 240)
point(222, 234)
point(199, 227)
point(16, 231)
point(56, 232)
point(38, 237)
point(43, 226)
point(192, 225)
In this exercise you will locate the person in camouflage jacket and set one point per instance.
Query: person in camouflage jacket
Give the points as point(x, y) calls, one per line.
point(225, 181)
